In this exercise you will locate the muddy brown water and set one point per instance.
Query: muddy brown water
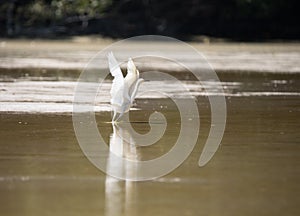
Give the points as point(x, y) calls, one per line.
point(256, 170)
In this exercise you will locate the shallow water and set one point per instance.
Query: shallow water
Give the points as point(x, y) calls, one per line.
point(254, 172)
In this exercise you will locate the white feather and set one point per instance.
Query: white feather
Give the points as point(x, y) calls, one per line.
point(123, 90)
point(117, 88)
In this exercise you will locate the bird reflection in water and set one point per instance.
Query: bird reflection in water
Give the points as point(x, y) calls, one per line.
point(119, 194)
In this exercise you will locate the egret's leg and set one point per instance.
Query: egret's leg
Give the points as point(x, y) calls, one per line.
point(115, 115)
point(121, 114)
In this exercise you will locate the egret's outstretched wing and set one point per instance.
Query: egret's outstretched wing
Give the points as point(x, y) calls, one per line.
point(117, 87)
point(114, 67)
point(131, 68)
point(132, 79)
point(135, 89)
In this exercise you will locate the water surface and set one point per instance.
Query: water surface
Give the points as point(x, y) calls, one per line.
point(254, 172)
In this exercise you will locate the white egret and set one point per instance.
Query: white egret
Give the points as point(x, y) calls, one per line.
point(123, 90)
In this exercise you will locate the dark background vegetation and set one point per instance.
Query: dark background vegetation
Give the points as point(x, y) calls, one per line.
point(248, 20)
